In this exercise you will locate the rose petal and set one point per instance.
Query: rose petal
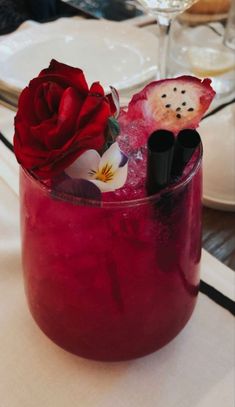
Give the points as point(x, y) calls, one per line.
point(25, 105)
point(52, 94)
point(40, 104)
point(27, 155)
point(95, 109)
point(60, 159)
point(58, 71)
point(96, 89)
point(70, 106)
point(56, 131)
point(42, 133)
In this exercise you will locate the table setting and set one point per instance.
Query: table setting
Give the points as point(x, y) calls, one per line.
point(106, 153)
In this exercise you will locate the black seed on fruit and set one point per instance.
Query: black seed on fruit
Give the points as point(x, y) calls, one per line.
point(168, 105)
point(164, 95)
point(191, 109)
point(178, 109)
point(178, 116)
point(183, 91)
point(184, 104)
point(175, 89)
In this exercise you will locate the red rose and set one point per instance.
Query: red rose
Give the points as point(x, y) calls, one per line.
point(58, 119)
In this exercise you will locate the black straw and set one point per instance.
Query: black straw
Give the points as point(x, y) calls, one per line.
point(186, 143)
point(159, 160)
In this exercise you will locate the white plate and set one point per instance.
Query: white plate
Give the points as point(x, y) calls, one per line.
point(113, 53)
point(218, 137)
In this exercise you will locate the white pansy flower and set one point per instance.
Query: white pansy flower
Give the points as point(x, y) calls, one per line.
point(108, 172)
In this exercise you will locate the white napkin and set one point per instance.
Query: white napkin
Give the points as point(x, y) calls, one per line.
point(219, 276)
point(8, 163)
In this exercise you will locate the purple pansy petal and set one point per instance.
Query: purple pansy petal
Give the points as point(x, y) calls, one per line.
point(124, 160)
point(80, 188)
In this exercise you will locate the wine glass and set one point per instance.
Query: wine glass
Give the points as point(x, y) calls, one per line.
point(164, 11)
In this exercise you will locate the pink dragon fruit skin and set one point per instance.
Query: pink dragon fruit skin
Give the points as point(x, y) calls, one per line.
point(170, 104)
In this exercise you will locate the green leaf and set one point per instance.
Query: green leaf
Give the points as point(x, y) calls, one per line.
point(111, 133)
point(114, 127)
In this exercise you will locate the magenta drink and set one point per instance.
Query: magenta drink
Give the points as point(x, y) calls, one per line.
point(116, 281)
point(110, 220)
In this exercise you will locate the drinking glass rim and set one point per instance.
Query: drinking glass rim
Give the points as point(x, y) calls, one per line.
point(76, 201)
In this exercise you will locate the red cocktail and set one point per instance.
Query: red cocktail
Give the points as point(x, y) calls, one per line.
point(112, 280)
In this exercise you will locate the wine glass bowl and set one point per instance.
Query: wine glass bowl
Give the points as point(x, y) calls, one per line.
point(166, 7)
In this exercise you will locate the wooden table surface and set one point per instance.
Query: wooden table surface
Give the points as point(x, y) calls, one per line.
point(218, 236)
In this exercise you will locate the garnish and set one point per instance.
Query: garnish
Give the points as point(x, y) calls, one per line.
point(58, 119)
point(171, 104)
point(66, 133)
point(108, 172)
point(79, 188)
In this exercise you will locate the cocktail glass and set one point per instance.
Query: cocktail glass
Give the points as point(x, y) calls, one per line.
point(111, 280)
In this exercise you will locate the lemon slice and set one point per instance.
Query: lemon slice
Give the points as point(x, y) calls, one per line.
point(210, 61)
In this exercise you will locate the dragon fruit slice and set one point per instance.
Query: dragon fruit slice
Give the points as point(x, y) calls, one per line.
point(171, 104)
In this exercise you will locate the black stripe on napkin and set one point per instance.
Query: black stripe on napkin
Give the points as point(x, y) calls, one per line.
point(6, 142)
point(217, 297)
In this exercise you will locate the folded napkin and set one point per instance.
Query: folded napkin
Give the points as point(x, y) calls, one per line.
point(8, 96)
point(8, 163)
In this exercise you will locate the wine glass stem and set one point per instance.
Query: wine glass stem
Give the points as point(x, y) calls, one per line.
point(164, 25)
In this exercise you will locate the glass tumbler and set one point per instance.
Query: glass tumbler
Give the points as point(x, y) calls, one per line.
point(113, 280)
